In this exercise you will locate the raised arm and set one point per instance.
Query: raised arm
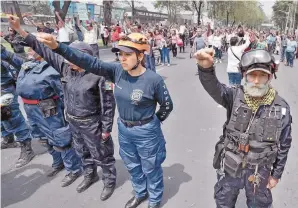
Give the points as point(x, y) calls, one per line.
point(218, 91)
point(87, 62)
point(47, 54)
point(11, 58)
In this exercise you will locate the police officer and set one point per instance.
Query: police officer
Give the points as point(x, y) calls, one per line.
point(137, 92)
point(257, 134)
point(89, 108)
point(39, 86)
point(15, 125)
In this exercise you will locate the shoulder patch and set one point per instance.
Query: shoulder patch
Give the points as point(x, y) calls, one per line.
point(108, 85)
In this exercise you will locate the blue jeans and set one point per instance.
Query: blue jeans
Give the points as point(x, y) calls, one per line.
point(57, 159)
point(16, 124)
point(142, 149)
point(217, 52)
point(234, 78)
point(282, 53)
point(165, 54)
point(57, 132)
point(290, 58)
point(150, 62)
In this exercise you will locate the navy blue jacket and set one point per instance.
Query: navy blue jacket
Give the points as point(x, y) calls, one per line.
point(85, 94)
point(136, 97)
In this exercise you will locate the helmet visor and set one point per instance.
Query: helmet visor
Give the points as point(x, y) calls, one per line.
point(255, 57)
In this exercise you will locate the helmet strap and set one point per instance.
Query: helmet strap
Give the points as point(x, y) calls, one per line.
point(136, 66)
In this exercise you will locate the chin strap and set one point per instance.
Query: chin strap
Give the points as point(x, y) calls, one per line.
point(136, 66)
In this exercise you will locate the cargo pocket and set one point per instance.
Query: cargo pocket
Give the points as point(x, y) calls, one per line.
point(155, 157)
point(217, 190)
point(62, 137)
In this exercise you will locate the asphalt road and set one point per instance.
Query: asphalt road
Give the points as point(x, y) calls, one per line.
point(191, 132)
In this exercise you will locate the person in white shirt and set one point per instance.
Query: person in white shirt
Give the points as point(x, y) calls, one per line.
point(90, 36)
point(217, 43)
point(102, 32)
point(70, 29)
point(210, 39)
point(234, 55)
point(63, 35)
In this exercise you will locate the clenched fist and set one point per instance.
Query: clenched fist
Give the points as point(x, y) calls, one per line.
point(47, 39)
point(205, 57)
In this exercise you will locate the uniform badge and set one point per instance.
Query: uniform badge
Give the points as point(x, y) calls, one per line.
point(108, 85)
point(136, 96)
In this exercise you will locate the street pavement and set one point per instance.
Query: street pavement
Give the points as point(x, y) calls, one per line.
point(191, 132)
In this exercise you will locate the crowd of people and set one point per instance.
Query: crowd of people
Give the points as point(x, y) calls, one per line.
point(71, 104)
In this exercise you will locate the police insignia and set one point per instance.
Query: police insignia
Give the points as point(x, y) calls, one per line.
point(108, 85)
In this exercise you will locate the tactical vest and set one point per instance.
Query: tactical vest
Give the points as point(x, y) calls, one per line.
point(261, 132)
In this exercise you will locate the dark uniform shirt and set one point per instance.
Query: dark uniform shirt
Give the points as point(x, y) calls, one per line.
point(85, 94)
point(136, 97)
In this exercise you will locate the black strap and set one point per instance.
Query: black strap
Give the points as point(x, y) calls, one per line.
point(234, 54)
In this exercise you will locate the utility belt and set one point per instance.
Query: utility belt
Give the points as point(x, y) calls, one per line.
point(48, 106)
point(131, 124)
point(234, 159)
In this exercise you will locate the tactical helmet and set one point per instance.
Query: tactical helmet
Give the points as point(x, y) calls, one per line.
point(258, 59)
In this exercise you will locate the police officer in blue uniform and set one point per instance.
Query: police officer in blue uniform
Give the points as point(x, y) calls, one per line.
point(89, 109)
point(257, 134)
point(137, 92)
point(40, 88)
point(15, 125)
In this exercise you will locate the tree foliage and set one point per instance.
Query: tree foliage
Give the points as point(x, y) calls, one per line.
point(41, 7)
point(173, 8)
point(279, 15)
point(237, 12)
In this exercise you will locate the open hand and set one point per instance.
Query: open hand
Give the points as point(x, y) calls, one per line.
point(14, 22)
point(47, 39)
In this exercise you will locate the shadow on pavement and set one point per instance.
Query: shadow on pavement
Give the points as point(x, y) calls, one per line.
point(122, 173)
point(174, 177)
point(18, 185)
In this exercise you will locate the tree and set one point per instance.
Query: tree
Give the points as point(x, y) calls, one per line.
point(107, 12)
point(63, 11)
point(249, 13)
point(284, 14)
point(197, 5)
point(18, 11)
point(173, 8)
point(41, 7)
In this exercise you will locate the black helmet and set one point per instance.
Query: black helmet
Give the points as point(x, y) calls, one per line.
point(258, 58)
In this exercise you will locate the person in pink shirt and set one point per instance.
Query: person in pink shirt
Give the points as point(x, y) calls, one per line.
point(115, 38)
point(174, 43)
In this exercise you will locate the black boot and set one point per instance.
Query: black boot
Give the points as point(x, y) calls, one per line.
point(107, 193)
point(8, 142)
point(70, 178)
point(55, 171)
point(135, 202)
point(89, 179)
point(26, 155)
